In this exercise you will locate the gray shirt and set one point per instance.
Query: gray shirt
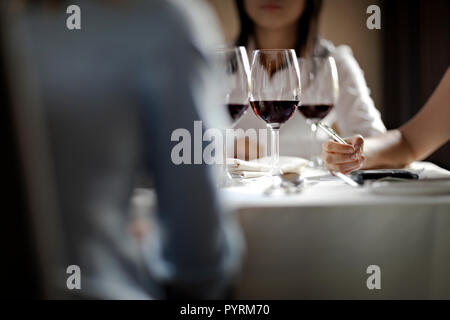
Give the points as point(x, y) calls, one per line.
point(113, 93)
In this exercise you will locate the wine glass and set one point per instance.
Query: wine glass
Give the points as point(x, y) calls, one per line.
point(235, 69)
point(234, 62)
point(275, 92)
point(320, 86)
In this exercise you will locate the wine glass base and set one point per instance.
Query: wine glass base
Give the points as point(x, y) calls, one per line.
point(275, 175)
point(275, 172)
point(316, 163)
point(226, 181)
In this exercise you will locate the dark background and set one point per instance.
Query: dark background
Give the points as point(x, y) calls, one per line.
point(416, 55)
point(19, 262)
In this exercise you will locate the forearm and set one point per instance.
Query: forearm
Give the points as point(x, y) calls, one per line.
point(389, 150)
point(430, 127)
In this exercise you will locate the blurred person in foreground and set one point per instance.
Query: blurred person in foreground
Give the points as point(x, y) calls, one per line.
point(428, 130)
point(112, 94)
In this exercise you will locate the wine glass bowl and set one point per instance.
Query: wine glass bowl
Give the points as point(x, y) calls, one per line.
point(274, 112)
point(275, 89)
point(235, 85)
point(234, 67)
point(320, 86)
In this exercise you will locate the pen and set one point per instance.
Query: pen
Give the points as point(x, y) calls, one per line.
point(331, 132)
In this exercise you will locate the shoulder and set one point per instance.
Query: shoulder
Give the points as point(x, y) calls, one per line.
point(346, 63)
point(201, 23)
point(327, 48)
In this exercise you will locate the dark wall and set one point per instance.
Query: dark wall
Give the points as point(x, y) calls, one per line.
point(416, 56)
point(19, 261)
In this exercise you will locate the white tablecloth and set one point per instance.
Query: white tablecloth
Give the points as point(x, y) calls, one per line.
point(319, 243)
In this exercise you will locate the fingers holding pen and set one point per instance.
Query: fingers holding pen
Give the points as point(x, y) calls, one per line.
point(344, 158)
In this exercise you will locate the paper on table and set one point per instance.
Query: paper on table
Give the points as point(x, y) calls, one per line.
point(428, 170)
point(260, 167)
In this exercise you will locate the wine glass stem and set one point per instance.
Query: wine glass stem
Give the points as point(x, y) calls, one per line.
point(313, 142)
point(275, 149)
point(224, 154)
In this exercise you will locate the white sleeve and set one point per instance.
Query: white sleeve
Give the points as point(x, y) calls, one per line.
point(355, 109)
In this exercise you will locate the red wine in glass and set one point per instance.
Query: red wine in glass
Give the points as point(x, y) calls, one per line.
point(274, 111)
point(315, 111)
point(236, 110)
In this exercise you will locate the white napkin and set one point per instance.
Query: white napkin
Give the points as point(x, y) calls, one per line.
point(260, 167)
point(428, 170)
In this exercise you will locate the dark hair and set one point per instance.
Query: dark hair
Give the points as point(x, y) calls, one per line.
point(307, 26)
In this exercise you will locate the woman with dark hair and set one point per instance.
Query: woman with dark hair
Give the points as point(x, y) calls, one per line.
point(301, 29)
point(270, 24)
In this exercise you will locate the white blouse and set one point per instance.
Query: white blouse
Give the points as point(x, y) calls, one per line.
point(354, 112)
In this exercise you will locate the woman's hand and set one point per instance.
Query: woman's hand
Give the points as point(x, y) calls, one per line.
point(344, 158)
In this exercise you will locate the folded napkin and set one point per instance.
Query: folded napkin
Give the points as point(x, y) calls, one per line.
point(428, 170)
point(260, 167)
